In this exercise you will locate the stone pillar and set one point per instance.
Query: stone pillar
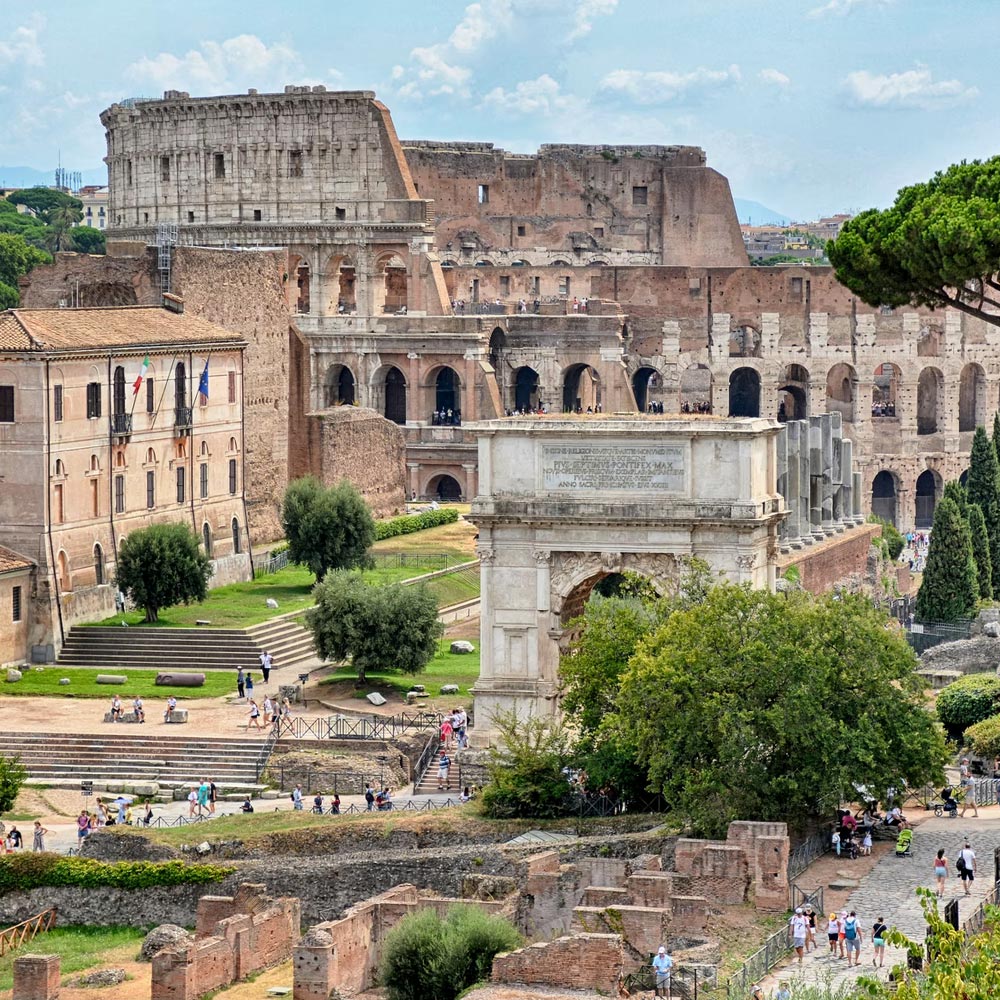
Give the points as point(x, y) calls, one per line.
point(826, 425)
point(816, 477)
point(36, 977)
point(793, 434)
point(413, 468)
point(314, 966)
point(805, 480)
point(471, 487)
point(856, 501)
point(837, 469)
point(543, 561)
point(781, 448)
point(847, 480)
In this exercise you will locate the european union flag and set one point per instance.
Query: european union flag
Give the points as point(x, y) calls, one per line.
point(203, 382)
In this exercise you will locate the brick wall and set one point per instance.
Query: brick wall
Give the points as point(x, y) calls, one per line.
point(580, 962)
point(832, 561)
point(36, 977)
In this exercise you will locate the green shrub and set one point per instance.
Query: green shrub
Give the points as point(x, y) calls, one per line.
point(425, 956)
point(32, 871)
point(984, 737)
point(894, 541)
point(408, 523)
point(968, 700)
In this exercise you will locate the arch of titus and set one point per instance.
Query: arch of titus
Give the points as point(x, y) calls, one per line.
point(565, 502)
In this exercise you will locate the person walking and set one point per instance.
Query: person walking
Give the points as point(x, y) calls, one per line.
point(853, 936)
point(254, 716)
point(443, 765)
point(940, 872)
point(38, 843)
point(192, 800)
point(297, 798)
point(833, 933)
point(879, 931)
point(213, 797)
point(266, 662)
point(241, 683)
point(249, 684)
point(967, 867)
point(82, 825)
point(662, 964)
point(810, 928)
point(968, 796)
point(369, 797)
point(800, 931)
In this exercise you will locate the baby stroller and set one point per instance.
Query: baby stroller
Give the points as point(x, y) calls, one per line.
point(948, 804)
point(903, 843)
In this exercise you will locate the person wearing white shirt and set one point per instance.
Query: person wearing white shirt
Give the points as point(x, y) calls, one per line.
point(967, 868)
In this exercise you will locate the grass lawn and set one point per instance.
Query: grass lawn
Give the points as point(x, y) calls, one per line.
point(455, 588)
point(446, 668)
point(82, 684)
point(80, 948)
point(459, 537)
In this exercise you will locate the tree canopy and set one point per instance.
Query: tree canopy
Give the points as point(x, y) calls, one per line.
point(937, 245)
point(949, 588)
point(983, 488)
point(381, 629)
point(774, 706)
point(87, 239)
point(13, 774)
point(44, 201)
point(981, 551)
point(162, 565)
point(17, 258)
point(326, 528)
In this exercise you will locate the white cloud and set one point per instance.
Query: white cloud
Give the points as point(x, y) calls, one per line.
point(586, 11)
point(661, 87)
point(480, 22)
point(218, 67)
point(22, 46)
point(539, 97)
point(915, 88)
point(839, 8)
point(775, 76)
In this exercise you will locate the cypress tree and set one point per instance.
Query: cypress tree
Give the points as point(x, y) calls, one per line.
point(948, 590)
point(983, 488)
point(956, 491)
point(996, 434)
point(981, 551)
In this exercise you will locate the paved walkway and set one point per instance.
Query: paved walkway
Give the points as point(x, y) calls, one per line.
point(889, 891)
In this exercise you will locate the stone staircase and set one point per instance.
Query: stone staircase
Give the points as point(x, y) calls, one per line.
point(132, 757)
point(174, 649)
point(427, 783)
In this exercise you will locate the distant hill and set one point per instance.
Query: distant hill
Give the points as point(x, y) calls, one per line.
point(753, 212)
point(30, 177)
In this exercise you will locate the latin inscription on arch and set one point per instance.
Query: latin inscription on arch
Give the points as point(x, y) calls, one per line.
point(617, 466)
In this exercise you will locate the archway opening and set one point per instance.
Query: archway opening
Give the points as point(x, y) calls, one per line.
point(884, 496)
point(930, 396)
point(445, 489)
point(62, 570)
point(498, 341)
point(526, 389)
point(98, 565)
point(644, 382)
point(393, 286)
point(302, 285)
point(340, 386)
point(696, 389)
point(346, 287)
point(971, 398)
point(841, 381)
point(793, 396)
point(885, 387)
point(604, 583)
point(744, 393)
point(206, 538)
point(581, 389)
point(395, 396)
point(447, 396)
point(928, 490)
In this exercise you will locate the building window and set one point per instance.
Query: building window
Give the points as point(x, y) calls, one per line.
point(232, 387)
point(206, 538)
point(295, 163)
point(93, 400)
point(150, 402)
point(484, 194)
point(150, 489)
point(119, 494)
point(639, 195)
point(220, 166)
point(118, 400)
point(795, 290)
point(15, 596)
point(190, 216)
point(98, 565)
point(564, 285)
point(6, 404)
point(95, 497)
point(521, 230)
point(204, 480)
point(598, 231)
point(145, 216)
point(164, 168)
point(59, 514)
point(236, 536)
point(340, 213)
point(232, 475)
point(536, 286)
point(180, 484)
point(504, 285)
point(128, 174)
point(256, 215)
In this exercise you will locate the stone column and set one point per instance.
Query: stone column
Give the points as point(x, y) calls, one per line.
point(816, 478)
point(36, 977)
point(826, 426)
point(793, 434)
point(856, 503)
point(471, 486)
point(837, 469)
point(543, 562)
point(805, 480)
point(847, 479)
point(414, 470)
point(781, 450)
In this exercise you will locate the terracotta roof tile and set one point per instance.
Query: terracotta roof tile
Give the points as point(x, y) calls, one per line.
point(11, 560)
point(129, 326)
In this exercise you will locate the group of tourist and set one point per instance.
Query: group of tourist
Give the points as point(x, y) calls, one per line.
point(272, 712)
point(914, 553)
point(883, 409)
point(655, 406)
point(527, 411)
point(702, 406)
point(446, 418)
point(965, 865)
point(122, 814)
point(203, 797)
point(137, 709)
point(596, 408)
point(14, 841)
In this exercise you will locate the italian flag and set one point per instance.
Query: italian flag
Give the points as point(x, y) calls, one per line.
point(141, 375)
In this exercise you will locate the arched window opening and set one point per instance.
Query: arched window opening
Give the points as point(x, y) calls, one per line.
point(744, 393)
point(929, 487)
point(98, 565)
point(841, 381)
point(884, 496)
point(643, 381)
point(395, 396)
point(236, 536)
point(526, 390)
point(447, 397)
point(930, 397)
point(581, 390)
point(206, 538)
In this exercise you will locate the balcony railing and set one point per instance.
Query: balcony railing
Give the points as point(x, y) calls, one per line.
point(121, 424)
point(182, 418)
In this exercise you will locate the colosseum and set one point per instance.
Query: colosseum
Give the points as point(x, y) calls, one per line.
point(440, 283)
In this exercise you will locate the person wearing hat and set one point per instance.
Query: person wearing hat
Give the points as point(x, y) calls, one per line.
point(662, 964)
point(757, 993)
point(800, 931)
point(833, 933)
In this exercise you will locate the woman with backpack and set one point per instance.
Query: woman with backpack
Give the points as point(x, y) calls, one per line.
point(852, 938)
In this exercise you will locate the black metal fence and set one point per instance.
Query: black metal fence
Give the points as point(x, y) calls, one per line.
point(334, 727)
point(683, 982)
point(775, 948)
point(426, 561)
point(924, 635)
point(802, 856)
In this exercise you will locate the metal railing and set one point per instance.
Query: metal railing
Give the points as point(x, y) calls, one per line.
point(182, 416)
point(424, 761)
point(14, 937)
point(121, 424)
point(683, 982)
point(427, 561)
point(924, 635)
point(802, 856)
point(761, 962)
point(334, 727)
point(973, 924)
point(806, 898)
point(265, 751)
point(272, 564)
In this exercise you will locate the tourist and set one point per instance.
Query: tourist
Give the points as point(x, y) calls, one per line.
point(757, 992)
point(116, 709)
point(843, 932)
point(940, 871)
point(335, 806)
point(968, 796)
point(853, 936)
point(268, 709)
point(799, 924)
point(662, 964)
point(249, 684)
point(369, 797)
point(240, 683)
point(38, 844)
point(297, 798)
point(138, 710)
point(247, 806)
point(835, 842)
point(866, 844)
point(147, 816)
point(318, 803)
point(204, 795)
point(213, 797)
point(192, 800)
point(878, 940)
point(967, 867)
point(443, 765)
point(121, 804)
point(265, 665)
point(82, 825)
point(171, 705)
point(446, 732)
point(102, 812)
point(833, 933)
point(811, 928)
point(466, 795)
point(14, 840)
point(784, 993)
point(254, 716)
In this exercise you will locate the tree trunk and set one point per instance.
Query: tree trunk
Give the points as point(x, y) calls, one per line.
point(361, 677)
point(151, 615)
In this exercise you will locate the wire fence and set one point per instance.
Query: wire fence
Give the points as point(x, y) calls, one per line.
point(925, 635)
point(761, 962)
point(265, 567)
point(334, 727)
point(683, 982)
point(802, 856)
point(427, 562)
point(974, 923)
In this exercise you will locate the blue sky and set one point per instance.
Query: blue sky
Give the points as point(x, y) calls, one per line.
point(810, 106)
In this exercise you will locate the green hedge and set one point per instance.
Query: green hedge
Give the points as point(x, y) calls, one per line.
point(20, 872)
point(984, 737)
point(968, 700)
point(408, 523)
